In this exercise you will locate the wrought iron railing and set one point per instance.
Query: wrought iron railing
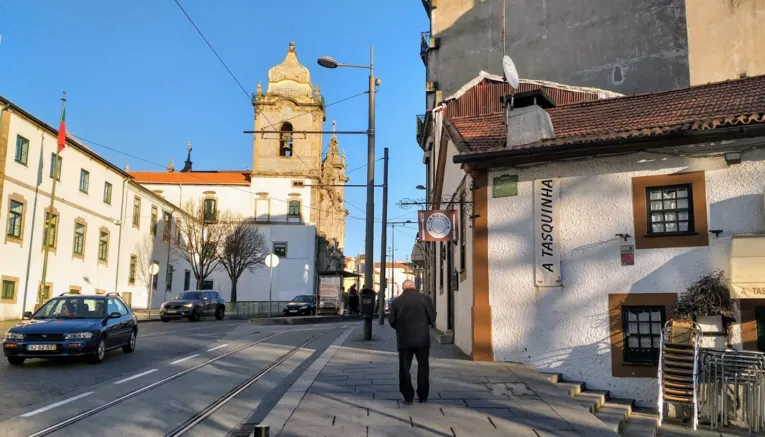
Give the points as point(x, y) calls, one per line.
point(424, 46)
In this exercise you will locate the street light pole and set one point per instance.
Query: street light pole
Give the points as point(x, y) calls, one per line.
point(383, 237)
point(370, 231)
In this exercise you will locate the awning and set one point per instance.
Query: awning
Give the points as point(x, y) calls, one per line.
point(418, 253)
point(747, 266)
point(341, 273)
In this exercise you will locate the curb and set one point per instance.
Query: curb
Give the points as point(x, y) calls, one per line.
point(306, 320)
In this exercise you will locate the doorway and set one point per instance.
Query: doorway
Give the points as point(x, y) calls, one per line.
point(450, 286)
point(759, 318)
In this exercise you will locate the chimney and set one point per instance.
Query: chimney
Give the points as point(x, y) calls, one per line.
point(526, 118)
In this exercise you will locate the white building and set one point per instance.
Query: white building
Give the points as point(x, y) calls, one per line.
point(92, 250)
point(578, 241)
point(395, 274)
point(110, 224)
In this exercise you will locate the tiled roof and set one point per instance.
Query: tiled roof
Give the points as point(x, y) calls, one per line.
point(233, 177)
point(701, 107)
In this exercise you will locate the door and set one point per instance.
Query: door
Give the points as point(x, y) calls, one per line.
point(209, 304)
point(114, 328)
point(759, 317)
point(450, 288)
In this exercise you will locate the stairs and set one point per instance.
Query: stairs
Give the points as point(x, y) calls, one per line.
point(621, 415)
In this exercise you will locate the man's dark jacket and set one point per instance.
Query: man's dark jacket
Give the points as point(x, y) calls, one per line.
point(411, 315)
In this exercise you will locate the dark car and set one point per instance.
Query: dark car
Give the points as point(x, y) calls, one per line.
point(73, 325)
point(193, 305)
point(388, 304)
point(301, 305)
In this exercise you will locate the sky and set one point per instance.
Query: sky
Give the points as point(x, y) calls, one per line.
point(141, 81)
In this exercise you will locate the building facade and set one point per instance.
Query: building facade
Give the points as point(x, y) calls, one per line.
point(577, 245)
point(92, 248)
point(623, 46)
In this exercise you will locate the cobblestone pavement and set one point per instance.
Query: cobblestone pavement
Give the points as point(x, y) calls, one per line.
point(354, 392)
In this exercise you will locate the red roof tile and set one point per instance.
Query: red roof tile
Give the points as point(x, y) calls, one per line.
point(699, 107)
point(233, 177)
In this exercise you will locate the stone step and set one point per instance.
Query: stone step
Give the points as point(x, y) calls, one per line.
point(641, 425)
point(553, 377)
point(615, 413)
point(573, 388)
point(593, 400)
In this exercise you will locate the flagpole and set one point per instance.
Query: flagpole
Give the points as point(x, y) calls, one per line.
point(49, 218)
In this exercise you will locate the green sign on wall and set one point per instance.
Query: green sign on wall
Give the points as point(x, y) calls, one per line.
point(504, 186)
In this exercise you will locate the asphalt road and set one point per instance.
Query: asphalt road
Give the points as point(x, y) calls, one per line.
point(178, 370)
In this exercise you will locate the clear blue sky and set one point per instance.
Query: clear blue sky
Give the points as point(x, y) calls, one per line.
point(139, 79)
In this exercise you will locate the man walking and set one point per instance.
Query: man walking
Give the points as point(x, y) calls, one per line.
point(411, 315)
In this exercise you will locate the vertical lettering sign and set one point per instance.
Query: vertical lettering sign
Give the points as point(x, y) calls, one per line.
point(546, 240)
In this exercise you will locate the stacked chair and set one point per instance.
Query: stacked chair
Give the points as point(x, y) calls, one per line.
point(678, 367)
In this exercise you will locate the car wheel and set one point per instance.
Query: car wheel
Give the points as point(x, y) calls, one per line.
point(220, 313)
point(164, 319)
point(16, 361)
point(98, 357)
point(130, 346)
point(195, 316)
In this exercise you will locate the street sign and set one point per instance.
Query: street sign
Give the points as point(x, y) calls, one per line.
point(272, 260)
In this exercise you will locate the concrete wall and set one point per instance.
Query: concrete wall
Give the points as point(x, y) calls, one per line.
point(566, 329)
point(619, 45)
point(725, 39)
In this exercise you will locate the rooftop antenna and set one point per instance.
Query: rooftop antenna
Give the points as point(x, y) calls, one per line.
point(511, 77)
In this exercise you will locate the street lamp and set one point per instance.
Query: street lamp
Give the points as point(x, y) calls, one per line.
point(420, 187)
point(328, 62)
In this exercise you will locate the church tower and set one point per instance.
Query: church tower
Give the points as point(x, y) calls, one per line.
point(289, 177)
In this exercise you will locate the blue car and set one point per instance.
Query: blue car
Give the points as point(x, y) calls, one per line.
point(73, 325)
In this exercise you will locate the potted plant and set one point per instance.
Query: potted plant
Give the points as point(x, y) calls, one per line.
point(708, 302)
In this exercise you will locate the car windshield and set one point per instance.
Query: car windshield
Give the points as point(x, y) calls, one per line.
point(72, 308)
point(189, 295)
point(303, 299)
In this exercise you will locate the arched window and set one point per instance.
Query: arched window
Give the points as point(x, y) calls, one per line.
point(285, 142)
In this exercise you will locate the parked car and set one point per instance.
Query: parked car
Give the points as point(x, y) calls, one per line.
point(193, 305)
point(73, 325)
point(304, 304)
point(388, 304)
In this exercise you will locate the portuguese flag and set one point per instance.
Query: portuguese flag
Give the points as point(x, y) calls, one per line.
point(62, 130)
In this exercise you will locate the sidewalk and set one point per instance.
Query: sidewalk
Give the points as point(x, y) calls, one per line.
point(356, 394)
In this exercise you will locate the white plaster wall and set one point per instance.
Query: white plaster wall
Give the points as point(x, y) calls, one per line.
point(280, 191)
point(566, 329)
point(234, 198)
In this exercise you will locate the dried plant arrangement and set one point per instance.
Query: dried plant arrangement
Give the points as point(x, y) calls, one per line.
point(709, 296)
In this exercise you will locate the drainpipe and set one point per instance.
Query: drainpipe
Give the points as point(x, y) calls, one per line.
point(119, 239)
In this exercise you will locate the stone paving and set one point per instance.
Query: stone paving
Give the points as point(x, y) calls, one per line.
point(356, 395)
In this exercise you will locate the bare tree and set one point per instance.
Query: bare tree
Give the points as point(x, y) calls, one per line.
point(198, 239)
point(243, 248)
point(144, 257)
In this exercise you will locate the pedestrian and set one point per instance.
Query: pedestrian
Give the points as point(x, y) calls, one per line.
point(412, 315)
point(353, 300)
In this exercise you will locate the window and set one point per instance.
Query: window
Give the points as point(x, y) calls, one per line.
point(78, 248)
point(178, 230)
point(15, 216)
point(45, 293)
point(131, 272)
point(60, 164)
point(84, 181)
point(210, 211)
point(51, 229)
point(441, 266)
point(154, 281)
point(121, 307)
point(169, 278)
point(9, 290)
point(111, 306)
point(153, 225)
point(207, 285)
point(642, 333)
point(298, 184)
point(285, 142)
point(103, 246)
point(167, 223)
point(280, 250)
point(136, 211)
point(107, 193)
point(294, 209)
point(186, 280)
point(670, 210)
point(22, 150)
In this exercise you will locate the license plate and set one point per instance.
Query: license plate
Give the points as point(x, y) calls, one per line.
point(41, 347)
point(171, 311)
point(293, 311)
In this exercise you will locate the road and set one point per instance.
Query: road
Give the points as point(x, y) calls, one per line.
point(193, 379)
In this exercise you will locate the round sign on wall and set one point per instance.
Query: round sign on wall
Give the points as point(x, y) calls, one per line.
point(438, 225)
point(272, 260)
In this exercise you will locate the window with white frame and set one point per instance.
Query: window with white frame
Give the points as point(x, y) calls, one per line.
point(670, 210)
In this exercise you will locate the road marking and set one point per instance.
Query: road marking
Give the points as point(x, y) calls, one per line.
point(136, 376)
point(217, 347)
point(184, 359)
point(57, 404)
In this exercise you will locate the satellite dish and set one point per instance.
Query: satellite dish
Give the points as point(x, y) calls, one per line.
point(511, 73)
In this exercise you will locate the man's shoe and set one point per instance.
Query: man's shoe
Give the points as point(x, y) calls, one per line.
point(408, 402)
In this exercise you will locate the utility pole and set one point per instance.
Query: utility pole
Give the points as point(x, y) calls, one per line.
point(383, 237)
